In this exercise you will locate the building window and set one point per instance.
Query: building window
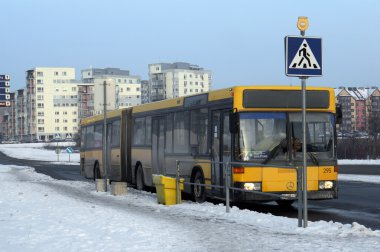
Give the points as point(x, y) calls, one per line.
point(40, 89)
point(74, 112)
point(74, 89)
point(55, 73)
point(40, 105)
point(138, 89)
point(64, 73)
point(40, 81)
point(41, 129)
point(57, 120)
point(40, 74)
point(128, 89)
point(56, 128)
point(57, 112)
point(65, 128)
point(75, 120)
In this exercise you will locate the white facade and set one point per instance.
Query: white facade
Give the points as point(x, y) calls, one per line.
point(123, 89)
point(53, 103)
point(168, 81)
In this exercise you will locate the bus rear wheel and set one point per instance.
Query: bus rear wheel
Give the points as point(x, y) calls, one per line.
point(198, 191)
point(139, 178)
point(96, 171)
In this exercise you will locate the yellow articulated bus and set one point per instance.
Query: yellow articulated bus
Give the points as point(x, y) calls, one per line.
point(258, 129)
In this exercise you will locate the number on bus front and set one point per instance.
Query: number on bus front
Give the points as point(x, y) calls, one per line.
point(326, 170)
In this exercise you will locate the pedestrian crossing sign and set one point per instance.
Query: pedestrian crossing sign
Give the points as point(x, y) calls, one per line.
point(303, 56)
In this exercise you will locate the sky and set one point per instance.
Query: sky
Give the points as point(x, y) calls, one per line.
point(240, 41)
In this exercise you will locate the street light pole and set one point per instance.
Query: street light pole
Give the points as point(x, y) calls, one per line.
point(105, 135)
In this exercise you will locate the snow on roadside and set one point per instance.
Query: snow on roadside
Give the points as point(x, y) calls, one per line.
point(36, 151)
point(360, 178)
point(359, 162)
point(27, 151)
point(44, 214)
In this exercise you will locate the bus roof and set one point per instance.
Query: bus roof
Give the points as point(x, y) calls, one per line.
point(96, 118)
point(228, 93)
point(235, 92)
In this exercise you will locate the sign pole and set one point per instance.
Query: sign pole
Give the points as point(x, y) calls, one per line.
point(303, 24)
point(304, 162)
point(303, 58)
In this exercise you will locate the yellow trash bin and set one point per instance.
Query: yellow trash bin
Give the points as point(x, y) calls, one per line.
point(166, 189)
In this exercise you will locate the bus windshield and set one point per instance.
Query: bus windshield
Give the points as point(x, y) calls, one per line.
point(261, 133)
point(264, 137)
point(319, 133)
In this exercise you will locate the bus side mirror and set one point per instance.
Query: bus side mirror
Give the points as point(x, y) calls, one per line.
point(338, 114)
point(234, 122)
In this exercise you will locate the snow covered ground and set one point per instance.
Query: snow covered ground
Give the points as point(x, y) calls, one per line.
point(39, 213)
point(36, 151)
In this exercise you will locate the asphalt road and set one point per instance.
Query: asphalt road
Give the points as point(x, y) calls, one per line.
point(358, 201)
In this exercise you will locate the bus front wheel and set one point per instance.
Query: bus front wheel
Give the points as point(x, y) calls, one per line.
point(139, 178)
point(198, 191)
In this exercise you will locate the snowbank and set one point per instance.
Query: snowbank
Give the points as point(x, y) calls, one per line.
point(38, 213)
point(36, 151)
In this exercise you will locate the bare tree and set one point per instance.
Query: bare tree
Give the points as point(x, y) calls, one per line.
point(374, 131)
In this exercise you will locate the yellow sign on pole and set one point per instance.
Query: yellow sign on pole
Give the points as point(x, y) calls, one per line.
point(303, 23)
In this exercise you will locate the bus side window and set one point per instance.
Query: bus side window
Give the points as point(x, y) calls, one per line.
point(181, 132)
point(148, 130)
point(169, 134)
point(139, 131)
point(83, 138)
point(98, 136)
point(115, 136)
point(199, 130)
point(89, 136)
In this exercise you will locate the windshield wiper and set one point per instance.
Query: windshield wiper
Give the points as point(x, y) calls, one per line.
point(313, 158)
point(275, 151)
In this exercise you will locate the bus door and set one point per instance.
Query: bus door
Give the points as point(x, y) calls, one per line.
point(158, 145)
point(221, 147)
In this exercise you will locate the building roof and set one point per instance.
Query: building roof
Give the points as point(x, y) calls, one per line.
point(358, 93)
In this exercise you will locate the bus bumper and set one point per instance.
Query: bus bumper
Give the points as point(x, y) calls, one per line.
point(247, 196)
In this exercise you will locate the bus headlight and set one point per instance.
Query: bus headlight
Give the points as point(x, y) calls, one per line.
point(326, 184)
point(255, 186)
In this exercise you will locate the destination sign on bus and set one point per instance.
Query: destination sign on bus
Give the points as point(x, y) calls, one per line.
point(285, 99)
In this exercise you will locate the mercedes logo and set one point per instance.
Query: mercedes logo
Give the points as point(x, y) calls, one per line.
point(290, 185)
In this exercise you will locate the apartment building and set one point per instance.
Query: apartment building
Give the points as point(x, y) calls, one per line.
point(168, 80)
point(9, 120)
point(20, 115)
point(51, 103)
point(123, 90)
point(358, 104)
